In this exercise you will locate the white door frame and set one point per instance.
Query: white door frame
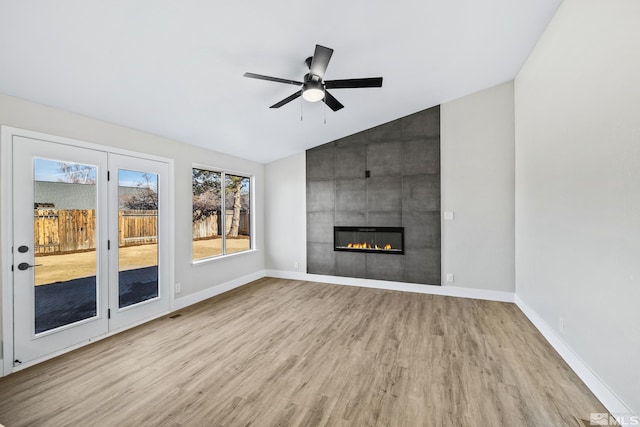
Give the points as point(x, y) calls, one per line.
point(6, 236)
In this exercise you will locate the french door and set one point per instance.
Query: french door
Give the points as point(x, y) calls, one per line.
point(89, 244)
point(139, 281)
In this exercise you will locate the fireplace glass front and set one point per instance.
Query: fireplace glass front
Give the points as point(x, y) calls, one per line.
point(389, 240)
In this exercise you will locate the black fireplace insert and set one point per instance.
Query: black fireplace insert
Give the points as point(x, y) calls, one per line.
point(387, 240)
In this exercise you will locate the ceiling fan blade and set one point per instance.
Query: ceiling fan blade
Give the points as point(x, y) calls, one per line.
point(287, 100)
point(353, 83)
point(333, 103)
point(320, 61)
point(272, 79)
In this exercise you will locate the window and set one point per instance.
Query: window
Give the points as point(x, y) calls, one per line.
point(221, 215)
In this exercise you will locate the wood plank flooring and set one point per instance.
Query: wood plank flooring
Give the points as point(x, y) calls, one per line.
point(288, 353)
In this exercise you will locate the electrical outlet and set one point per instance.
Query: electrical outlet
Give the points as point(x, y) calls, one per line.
point(561, 325)
point(449, 277)
point(178, 288)
point(296, 266)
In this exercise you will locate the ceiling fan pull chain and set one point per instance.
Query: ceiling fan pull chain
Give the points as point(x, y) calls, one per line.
point(301, 119)
point(325, 112)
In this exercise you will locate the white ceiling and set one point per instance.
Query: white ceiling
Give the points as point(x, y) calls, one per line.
point(174, 68)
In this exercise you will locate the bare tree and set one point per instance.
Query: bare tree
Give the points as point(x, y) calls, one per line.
point(206, 193)
point(146, 196)
point(234, 185)
point(75, 173)
point(237, 190)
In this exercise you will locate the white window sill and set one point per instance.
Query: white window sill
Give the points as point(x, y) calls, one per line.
point(221, 257)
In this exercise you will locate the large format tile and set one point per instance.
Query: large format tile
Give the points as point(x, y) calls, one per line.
point(321, 162)
point(320, 196)
point(351, 195)
point(421, 193)
point(351, 219)
point(351, 264)
point(320, 258)
point(360, 138)
point(425, 123)
point(384, 158)
point(421, 156)
point(385, 267)
point(421, 230)
point(391, 131)
point(422, 266)
point(384, 219)
point(320, 227)
point(384, 194)
point(351, 161)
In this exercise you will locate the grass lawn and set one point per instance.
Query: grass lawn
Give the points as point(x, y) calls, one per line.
point(60, 268)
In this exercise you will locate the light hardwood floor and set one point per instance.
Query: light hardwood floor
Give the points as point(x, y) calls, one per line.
point(282, 352)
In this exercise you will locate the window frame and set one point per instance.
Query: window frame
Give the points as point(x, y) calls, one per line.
point(252, 220)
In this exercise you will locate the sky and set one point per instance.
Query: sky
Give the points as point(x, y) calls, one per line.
point(49, 170)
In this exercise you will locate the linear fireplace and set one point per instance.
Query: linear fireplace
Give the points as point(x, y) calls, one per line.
point(388, 240)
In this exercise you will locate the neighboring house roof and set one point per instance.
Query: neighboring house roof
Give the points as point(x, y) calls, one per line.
point(64, 195)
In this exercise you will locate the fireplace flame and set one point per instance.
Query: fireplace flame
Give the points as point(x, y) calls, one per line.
point(365, 245)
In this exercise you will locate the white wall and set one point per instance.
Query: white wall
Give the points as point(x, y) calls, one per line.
point(285, 214)
point(577, 102)
point(477, 178)
point(193, 278)
point(477, 182)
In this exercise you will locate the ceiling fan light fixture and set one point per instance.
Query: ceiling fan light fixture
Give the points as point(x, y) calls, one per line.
point(313, 91)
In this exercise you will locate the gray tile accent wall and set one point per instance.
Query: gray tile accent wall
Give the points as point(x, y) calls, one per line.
point(403, 159)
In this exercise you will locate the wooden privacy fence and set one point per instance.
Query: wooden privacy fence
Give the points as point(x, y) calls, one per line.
point(208, 227)
point(58, 231)
point(62, 231)
point(205, 228)
point(137, 227)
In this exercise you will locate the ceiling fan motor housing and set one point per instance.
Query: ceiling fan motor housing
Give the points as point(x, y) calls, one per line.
point(311, 78)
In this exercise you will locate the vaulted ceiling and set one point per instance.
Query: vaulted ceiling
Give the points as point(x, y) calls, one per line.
point(175, 68)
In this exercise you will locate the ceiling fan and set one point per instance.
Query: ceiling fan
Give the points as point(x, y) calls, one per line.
point(313, 88)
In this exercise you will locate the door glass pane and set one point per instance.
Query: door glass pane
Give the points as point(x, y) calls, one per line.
point(137, 237)
point(64, 243)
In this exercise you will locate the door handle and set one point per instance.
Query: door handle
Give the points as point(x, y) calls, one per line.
point(25, 265)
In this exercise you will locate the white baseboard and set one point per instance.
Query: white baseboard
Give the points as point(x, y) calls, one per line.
point(195, 298)
point(608, 398)
point(452, 291)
